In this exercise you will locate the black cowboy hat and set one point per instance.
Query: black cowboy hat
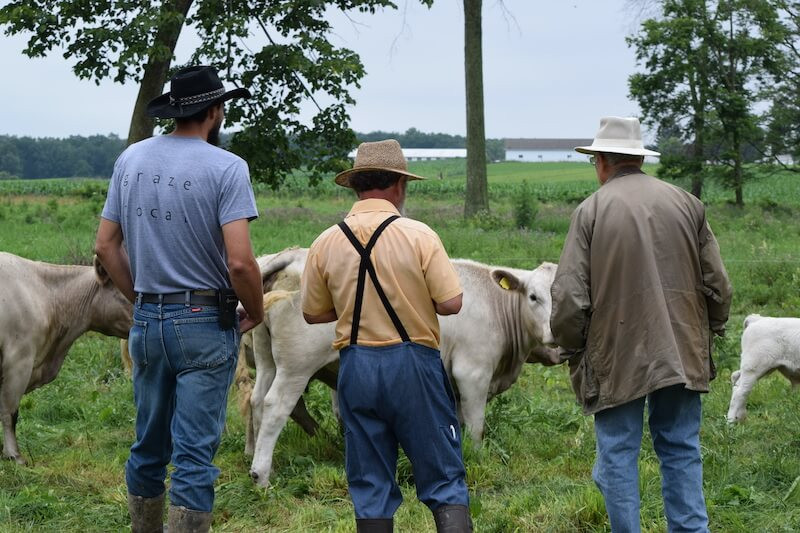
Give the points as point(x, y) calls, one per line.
point(192, 89)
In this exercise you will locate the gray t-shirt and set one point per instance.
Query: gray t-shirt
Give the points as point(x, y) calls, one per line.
point(172, 195)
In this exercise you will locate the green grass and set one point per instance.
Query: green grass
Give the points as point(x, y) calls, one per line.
point(532, 472)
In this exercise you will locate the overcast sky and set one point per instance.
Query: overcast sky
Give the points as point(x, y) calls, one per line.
point(552, 70)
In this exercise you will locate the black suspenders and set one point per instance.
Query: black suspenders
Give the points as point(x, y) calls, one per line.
point(367, 266)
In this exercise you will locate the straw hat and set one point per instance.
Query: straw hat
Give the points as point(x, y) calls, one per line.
point(385, 156)
point(618, 135)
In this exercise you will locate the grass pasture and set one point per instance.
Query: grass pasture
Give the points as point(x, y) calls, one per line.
point(533, 472)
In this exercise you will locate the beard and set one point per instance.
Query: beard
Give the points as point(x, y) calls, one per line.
point(213, 135)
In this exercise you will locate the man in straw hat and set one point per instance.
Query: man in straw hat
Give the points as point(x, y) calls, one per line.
point(383, 278)
point(174, 237)
point(640, 288)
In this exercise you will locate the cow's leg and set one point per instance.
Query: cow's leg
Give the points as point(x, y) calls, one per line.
point(265, 374)
point(743, 382)
point(278, 404)
point(303, 418)
point(473, 386)
point(17, 369)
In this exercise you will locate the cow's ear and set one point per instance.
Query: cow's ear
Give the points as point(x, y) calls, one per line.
point(506, 280)
point(99, 270)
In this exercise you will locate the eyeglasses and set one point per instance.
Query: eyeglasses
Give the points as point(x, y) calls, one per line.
point(593, 160)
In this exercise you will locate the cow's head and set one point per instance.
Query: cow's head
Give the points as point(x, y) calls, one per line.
point(111, 312)
point(534, 287)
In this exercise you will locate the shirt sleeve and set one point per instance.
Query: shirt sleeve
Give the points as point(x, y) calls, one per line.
point(315, 296)
point(111, 208)
point(571, 290)
point(237, 200)
point(440, 275)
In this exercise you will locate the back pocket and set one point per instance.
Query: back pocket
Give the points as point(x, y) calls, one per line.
point(137, 344)
point(203, 343)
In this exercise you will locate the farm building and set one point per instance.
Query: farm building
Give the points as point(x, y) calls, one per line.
point(428, 154)
point(542, 150)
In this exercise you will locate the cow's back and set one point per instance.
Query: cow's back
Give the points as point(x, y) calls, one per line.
point(26, 305)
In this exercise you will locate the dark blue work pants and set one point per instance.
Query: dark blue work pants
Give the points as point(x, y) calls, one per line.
point(392, 395)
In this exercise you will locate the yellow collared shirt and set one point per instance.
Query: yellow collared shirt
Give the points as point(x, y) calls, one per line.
point(412, 267)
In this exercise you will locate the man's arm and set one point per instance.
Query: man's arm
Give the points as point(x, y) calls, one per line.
point(450, 307)
point(571, 312)
point(244, 272)
point(329, 316)
point(315, 295)
point(716, 285)
point(113, 257)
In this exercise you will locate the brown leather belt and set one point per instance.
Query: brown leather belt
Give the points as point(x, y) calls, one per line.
point(201, 297)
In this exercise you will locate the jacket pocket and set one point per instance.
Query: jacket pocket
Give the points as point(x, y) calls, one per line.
point(584, 380)
point(203, 343)
point(712, 368)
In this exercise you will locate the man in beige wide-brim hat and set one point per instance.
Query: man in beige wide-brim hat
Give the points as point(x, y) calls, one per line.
point(392, 386)
point(640, 287)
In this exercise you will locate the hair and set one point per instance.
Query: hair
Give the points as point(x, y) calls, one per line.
point(198, 117)
point(373, 179)
point(622, 159)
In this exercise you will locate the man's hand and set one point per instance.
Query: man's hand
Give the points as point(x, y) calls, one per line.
point(245, 322)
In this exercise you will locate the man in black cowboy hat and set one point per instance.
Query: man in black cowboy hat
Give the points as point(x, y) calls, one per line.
point(174, 237)
point(393, 388)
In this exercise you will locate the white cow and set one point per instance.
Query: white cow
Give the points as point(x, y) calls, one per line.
point(43, 309)
point(767, 344)
point(504, 322)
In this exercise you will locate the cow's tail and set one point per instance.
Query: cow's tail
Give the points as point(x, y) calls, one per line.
point(271, 265)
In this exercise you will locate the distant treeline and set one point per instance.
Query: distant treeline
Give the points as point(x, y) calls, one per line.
point(47, 157)
point(413, 138)
point(94, 156)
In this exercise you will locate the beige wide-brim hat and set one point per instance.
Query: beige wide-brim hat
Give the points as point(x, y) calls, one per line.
point(381, 155)
point(618, 135)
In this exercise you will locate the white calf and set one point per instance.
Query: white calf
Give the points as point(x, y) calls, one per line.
point(767, 344)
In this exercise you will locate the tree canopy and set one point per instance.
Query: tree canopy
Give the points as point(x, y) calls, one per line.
point(281, 51)
point(706, 66)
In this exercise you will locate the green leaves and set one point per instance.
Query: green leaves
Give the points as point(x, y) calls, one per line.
point(279, 49)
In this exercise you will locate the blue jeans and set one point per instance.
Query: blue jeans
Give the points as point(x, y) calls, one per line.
point(399, 394)
point(183, 367)
point(674, 419)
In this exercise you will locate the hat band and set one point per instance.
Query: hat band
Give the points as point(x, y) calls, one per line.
point(197, 98)
point(619, 143)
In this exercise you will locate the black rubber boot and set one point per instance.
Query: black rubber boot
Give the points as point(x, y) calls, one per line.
point(147, 514)
point(183, 520)
point(452, 519)
point(374, 525)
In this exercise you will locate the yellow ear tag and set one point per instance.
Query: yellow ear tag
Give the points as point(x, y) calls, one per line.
point(505, 284)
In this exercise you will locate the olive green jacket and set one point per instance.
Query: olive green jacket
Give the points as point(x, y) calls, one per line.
point(639, 288)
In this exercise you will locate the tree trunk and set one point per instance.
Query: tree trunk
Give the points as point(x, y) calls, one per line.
point(477, 197)
point(155, 72)
point(698, 155)
point(738, 171)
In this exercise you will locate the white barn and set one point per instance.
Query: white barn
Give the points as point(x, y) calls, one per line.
point(428, 154)
point(543, 150)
